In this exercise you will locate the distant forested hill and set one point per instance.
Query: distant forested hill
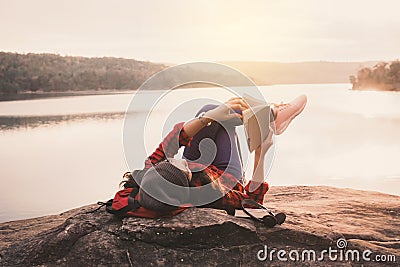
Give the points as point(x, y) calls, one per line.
point(49, 72)
point(264, 73)
point(21, 73)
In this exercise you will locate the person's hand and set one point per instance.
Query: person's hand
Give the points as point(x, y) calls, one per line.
point(231, 109)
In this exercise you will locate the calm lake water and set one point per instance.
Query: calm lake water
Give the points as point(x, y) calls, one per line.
point(61, 153)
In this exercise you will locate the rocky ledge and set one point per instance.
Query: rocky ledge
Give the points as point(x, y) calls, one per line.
point(317, 217)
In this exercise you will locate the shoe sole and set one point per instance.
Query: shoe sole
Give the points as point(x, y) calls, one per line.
point(286, 124)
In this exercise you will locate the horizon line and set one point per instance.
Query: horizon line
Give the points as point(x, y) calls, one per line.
point(217, 61)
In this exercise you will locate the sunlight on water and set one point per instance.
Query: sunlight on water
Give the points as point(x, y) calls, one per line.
point(61, 153)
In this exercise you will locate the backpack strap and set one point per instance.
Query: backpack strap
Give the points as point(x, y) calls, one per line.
point(133, 204)
point(268, 220)
point(251, 202)
point(101, 204)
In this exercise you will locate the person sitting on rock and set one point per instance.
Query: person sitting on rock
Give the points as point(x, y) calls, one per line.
point(210, 172)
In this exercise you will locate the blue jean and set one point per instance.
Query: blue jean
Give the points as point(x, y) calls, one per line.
point(224, 154)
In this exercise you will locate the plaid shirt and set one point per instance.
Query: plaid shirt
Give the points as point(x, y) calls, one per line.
point(232, 198)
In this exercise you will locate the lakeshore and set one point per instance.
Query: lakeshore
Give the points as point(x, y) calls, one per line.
point(317, 217)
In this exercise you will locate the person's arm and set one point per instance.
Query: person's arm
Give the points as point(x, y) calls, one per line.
point(256, 188)
point(219, 114)
point(182, 133)
point(169, 145)
point(259, 158)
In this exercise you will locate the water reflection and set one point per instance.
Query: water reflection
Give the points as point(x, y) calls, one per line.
point(17, 122)
point(63, 148)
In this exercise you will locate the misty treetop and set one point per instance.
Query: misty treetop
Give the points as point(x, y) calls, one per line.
point(49, 72)
point(383, 76)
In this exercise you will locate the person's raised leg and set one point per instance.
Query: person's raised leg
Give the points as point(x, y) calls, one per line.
point(228, 157)
point(284, 113)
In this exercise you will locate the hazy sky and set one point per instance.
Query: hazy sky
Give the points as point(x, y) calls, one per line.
point(182, 31)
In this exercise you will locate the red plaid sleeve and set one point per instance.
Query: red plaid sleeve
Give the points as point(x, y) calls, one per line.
point(169, 146)
point(259, 193)
point(234, 198)
point(236, 192)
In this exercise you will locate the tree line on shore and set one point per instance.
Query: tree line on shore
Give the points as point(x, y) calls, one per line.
point(55, 73)
point(382, 76)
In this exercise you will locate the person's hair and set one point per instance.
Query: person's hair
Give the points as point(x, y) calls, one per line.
point(130, 179)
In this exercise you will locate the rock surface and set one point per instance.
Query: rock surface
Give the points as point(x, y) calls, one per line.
point(317, 218)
